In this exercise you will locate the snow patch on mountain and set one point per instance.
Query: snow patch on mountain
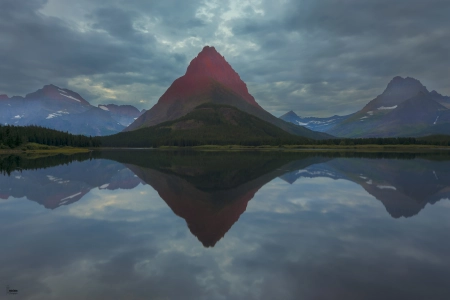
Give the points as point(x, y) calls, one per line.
point(386, 187)
point(103, 107)
point(436, 120)
point(70, 97)
point(387, 107)
point(72, 196)
point(59, 113)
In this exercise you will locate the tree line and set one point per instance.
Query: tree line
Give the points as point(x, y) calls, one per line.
point(436, 140)
point(13, 136)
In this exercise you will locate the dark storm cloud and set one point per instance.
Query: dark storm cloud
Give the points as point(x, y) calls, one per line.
point(38, 49)
point(315, 57)
point(352, 45)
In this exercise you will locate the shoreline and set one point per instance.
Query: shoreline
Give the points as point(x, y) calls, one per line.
point(46, 151)
point(289, 148)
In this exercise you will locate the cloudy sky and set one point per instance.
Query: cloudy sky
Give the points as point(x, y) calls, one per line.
point(316, 57)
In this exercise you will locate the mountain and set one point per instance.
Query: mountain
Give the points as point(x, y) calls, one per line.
point(64, 110)
point(205, 125)
point(124, 114)
point(443, 100)
point(210, 79)
point(313, 123)
point(405, 108)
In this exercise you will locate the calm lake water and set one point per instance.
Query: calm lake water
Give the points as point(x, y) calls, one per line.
point(252, 225)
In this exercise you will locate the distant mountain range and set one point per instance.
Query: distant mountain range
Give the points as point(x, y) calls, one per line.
point(65, 110)
point(405, 108)
point(210, 79)
point(313, 123)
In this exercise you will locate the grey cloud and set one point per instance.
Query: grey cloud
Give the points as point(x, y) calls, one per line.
point(354, 46)
point(115, 21)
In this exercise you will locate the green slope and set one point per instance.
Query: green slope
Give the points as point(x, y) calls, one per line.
point(207, 124)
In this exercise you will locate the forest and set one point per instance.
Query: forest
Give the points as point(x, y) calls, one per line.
point(15, 136)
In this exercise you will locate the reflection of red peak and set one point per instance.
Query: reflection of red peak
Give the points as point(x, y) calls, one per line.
point(206, 222)
point(209, 215)
point(4, 196)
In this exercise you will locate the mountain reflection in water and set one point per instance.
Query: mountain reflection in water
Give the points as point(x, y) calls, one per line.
point(127, 225)
point(211, 190)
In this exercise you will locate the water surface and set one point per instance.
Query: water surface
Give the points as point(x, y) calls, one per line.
point(252, 225)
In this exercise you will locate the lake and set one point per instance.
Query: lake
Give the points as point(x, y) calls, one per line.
point(226, 225)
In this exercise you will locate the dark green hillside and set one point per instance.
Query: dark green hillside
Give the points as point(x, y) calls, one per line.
point(207, 124)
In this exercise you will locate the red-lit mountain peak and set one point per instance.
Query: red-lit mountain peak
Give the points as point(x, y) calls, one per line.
point(205, 69)
point(208, 78)
point(209, 63)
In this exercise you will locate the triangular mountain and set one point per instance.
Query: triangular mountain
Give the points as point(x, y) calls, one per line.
point(210, 79)
point(405, 108)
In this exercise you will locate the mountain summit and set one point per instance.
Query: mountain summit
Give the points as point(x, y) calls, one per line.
point(65, 110)
point(405, 108)
point(398, 90)
point(209, 63)
point(210, 79)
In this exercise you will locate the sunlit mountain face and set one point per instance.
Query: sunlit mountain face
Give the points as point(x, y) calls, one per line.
point(220, 225)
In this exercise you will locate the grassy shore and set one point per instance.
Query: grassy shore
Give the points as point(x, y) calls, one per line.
point(365, 148)
point(43, 149)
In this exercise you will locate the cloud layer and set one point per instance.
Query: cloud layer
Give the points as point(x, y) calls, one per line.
point(315, 57)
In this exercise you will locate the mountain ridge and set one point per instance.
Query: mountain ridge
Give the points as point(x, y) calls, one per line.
point(63, 109)
point(404, 108)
